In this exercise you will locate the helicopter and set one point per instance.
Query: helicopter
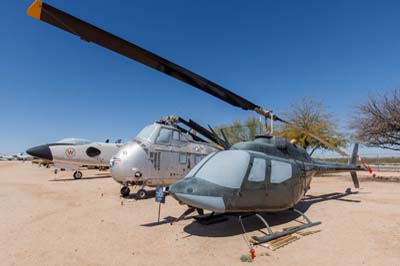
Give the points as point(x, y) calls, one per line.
point(161, 154)
point(266, 174)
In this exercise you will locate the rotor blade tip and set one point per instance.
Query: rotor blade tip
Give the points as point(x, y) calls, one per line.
point(35, 9)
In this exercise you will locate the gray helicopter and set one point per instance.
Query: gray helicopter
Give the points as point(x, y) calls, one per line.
point(161, 154)
point(267, 174)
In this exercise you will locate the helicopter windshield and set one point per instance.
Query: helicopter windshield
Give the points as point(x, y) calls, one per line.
point(224, 168)
point(149, 132)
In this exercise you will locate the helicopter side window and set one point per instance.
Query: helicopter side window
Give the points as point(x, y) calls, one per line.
point(257, 172)
point(280, 171)
point(182, 137)
point(164, 136)
point(182, 158)
point(175, 135)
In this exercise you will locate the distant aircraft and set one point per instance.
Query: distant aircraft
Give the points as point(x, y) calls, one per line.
point(161, 154)
point(6, 158)
point(73, 154)
point(23, 157)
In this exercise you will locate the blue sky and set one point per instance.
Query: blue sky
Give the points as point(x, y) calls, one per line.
point(274, 53)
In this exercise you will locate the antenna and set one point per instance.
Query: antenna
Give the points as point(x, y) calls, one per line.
point(272, 123)
point(261, 124)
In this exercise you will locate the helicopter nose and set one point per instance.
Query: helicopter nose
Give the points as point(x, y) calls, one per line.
point(186, 191)
point(129, 164)
point(42, 151)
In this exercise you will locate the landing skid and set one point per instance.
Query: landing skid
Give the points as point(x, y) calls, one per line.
point(271, 235)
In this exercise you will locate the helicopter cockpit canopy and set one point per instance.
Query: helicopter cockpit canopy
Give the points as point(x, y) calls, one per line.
point(224, 168)
point(162, 134)
point(228, 168)
point(149, 133)
point(74, 141)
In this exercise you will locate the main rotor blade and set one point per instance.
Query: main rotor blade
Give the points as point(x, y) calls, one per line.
point(90, 33)
point(203, 131)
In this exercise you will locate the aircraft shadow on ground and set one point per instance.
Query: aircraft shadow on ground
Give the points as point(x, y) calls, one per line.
point(100, 176)
point(232, 226)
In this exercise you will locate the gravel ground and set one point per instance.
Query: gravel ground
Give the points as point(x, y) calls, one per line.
point(48, 221)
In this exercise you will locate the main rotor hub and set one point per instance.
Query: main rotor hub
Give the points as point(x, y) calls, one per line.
point(263, 112)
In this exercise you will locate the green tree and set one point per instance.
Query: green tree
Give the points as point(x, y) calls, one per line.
point(309, 115)
point(313, 117)
point(253, 126)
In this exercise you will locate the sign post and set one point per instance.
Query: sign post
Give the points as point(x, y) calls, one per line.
point(160, 198)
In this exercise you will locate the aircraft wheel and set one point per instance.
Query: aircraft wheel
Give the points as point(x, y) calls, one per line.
point(77, 175)
point(141, 194)
point(125, 191)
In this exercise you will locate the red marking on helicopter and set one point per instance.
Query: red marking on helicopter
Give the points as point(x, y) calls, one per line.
point(115, 161)
point(369, 169)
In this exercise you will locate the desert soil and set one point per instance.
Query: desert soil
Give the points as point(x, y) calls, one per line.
point(48, 221)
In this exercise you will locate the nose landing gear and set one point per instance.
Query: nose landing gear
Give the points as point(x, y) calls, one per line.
point(125, 191)
point(140, 194)
point(77, 175)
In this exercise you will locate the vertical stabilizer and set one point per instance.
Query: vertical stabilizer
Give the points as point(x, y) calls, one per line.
point(353, 161)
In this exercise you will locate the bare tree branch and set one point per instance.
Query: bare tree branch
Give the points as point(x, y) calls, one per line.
point(377, 122)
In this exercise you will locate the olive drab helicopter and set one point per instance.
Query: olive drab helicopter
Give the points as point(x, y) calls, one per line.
point(266, 174)
point(162, 153)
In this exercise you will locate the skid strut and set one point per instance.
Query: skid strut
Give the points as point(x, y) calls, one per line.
point(271, 235)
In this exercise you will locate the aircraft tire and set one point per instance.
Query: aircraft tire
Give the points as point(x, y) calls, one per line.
point(125, 191)
point(141, 194)
point(77, 175)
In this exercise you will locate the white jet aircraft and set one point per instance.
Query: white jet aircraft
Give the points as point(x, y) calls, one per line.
point(73, 154)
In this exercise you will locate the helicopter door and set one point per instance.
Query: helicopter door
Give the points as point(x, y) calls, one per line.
point(254, 185)
point(180, 148)
point(163, 150)
point(280, 187)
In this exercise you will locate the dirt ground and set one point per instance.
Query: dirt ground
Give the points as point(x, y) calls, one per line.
point(47, 221)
